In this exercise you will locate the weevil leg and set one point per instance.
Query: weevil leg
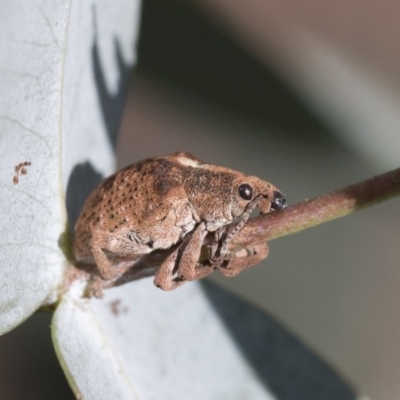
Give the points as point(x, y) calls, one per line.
point(95, 287)
point(98, 242)
point(166, 278)
point(218, 252)
point(182, 265)
point(244, 259)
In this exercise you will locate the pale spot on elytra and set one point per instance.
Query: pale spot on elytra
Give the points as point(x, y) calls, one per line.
point(188, 162)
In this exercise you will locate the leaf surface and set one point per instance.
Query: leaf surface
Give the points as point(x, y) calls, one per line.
point(62, 87)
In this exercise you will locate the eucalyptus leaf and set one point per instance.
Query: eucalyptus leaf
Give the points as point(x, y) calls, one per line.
point(198, 342)
point(63, 72)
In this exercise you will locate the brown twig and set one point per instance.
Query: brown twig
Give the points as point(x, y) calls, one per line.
point(321, 209)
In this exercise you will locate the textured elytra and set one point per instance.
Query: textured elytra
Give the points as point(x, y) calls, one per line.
point(158, 202)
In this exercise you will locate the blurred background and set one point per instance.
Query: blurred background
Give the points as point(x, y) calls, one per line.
point(307, 96)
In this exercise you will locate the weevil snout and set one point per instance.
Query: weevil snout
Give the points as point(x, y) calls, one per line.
point(279, 201)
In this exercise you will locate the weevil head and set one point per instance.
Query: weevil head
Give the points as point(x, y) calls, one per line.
point(250, 189)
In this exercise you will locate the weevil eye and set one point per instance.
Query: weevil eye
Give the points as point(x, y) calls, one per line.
point(245, 191)
point(279, 202)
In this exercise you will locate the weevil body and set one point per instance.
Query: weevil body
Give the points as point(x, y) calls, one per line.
point(162, 201)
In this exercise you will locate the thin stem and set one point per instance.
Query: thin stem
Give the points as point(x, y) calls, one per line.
point(321, 209)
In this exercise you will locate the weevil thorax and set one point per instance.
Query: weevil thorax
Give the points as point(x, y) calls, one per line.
point(218, 194)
